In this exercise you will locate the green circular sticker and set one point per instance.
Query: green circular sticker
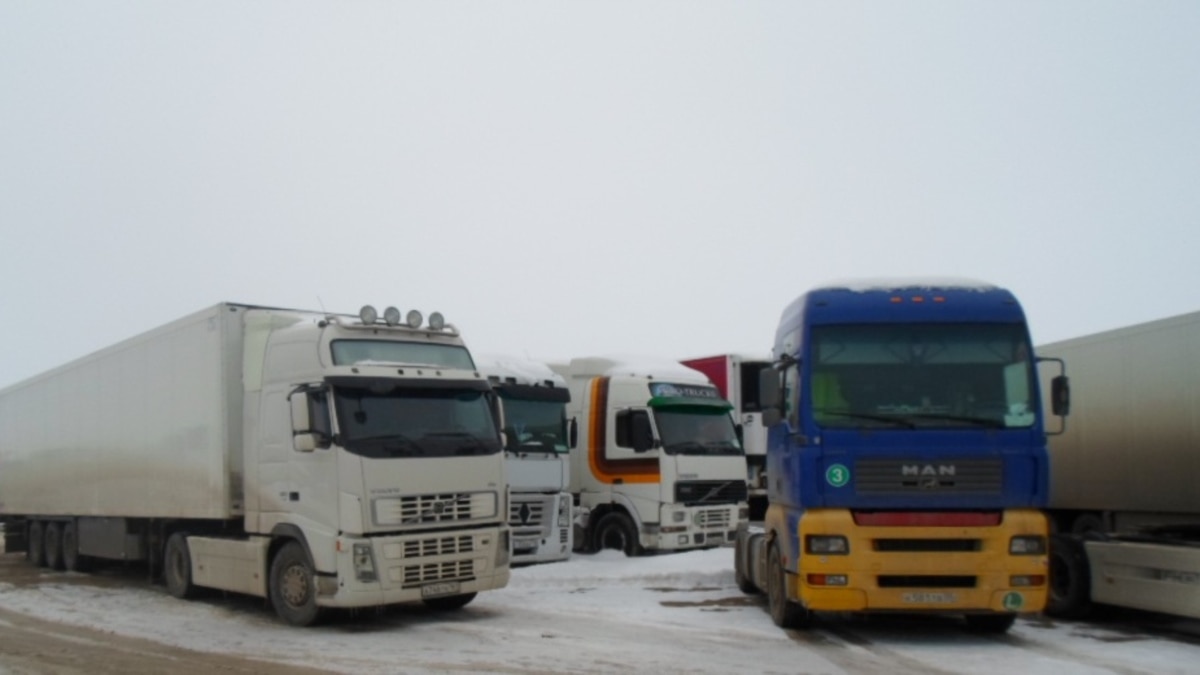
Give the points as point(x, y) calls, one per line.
point(837, 475)
point(1013, 601)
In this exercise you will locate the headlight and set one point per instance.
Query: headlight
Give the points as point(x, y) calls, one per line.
point(503, 548)
point(826, 544)
point(1027, 545)
point(678, 516)
point(364, 563)
point(564, 510)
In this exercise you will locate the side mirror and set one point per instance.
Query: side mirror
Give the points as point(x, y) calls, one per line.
point(1060, 395)
point(572, 432)
point(305, 437)
point(641, 435)
point(770, 396)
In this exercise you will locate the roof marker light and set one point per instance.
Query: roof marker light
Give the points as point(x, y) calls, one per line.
point(437, 321)
point(368, 314)
point(391, 316)
point(414, 318)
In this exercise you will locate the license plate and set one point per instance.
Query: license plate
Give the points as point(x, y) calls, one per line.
point(441, 588)
point(930, 598)
point(522, 544)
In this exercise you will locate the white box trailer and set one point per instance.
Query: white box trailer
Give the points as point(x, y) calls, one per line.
point(317, 460)
point(1123, 477)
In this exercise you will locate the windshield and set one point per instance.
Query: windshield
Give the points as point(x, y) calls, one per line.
point(534, 426)
point(921, 376)
point(350, 352)
point(414, 421)
point(696, 430)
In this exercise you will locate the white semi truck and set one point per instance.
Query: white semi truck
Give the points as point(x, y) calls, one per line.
point(533, 401)
point(657, 465)
point(736, 377)
point(1123, 481)
point(317, 460)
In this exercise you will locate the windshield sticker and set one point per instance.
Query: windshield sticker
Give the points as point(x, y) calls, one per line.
point(668, 390)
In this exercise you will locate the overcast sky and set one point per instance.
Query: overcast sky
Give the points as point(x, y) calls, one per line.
point(567, 179)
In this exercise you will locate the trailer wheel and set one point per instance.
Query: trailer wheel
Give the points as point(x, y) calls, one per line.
point(990, 623)
point(36, 551)
point(54, 545)
point(616, 530)
point(72, 561)
point(293, 586)
point(177, 567)
point(1070, 578)
point(450, 602)
point(784, 612)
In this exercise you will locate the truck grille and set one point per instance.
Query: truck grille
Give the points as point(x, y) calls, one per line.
point(432, 546)
point(714, 518)
point(931, 478)
point(434, 509)
point(528, 518)
point(927, 545)
point(710, 492)
point(417, 575)
point(925, 581)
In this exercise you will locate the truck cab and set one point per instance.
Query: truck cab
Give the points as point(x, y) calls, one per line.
point(906, 457)
point(533, 402)
point(658, 464)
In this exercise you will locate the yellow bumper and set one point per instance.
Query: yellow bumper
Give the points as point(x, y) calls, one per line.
point(916, 569)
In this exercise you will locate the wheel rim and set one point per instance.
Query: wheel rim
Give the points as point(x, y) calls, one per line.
point(294, 586)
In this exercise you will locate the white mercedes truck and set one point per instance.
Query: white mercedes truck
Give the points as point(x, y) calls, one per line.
point(317, 460)
point(657, 464)
point(533, 404)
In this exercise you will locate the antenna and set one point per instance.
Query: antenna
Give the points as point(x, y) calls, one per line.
point(321, 304)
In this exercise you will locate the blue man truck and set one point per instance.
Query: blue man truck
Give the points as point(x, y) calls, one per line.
point(906, 456)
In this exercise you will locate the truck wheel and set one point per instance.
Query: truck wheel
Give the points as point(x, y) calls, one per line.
point(35, 552)
point(72, 561)
point(53, 545)
point(450, 602)
point(1070, 578)
point(784, 612)
point(293, 586)
point(177, 567)
point(740, 577)
point(616, 530)
point(1088, 522)
point(990, 623)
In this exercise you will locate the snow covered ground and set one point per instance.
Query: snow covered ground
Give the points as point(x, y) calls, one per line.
point(600, 613)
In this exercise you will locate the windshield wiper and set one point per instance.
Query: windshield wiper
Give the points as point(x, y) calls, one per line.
point(475, 443)
point(887, 419)
point(684, 447)
point(391, 443)
point(977, 421)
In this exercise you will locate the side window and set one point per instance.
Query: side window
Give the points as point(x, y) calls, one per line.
point(791, 395)
point(624, 423)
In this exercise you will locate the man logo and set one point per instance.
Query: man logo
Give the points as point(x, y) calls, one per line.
point(927, 470)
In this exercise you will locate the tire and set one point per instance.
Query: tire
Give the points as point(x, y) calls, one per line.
point(72, 561)
point(992, 624)
point(35, 553)
point(616, 531)
point(54, 545)
point(450, 602)
point(177, 567)
point(784, 612)
point(1070, 589)
point(1087, 523)
point(293, 586)
point(740, 577)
